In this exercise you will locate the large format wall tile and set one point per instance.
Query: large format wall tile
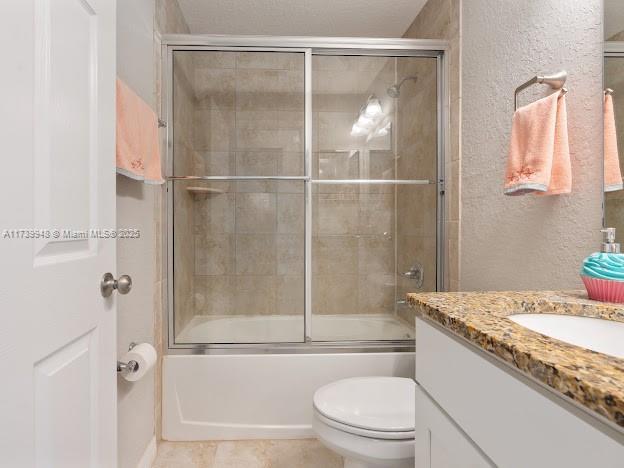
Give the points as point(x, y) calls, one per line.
point(214, 254)
point(256, 213)
point(256, 254)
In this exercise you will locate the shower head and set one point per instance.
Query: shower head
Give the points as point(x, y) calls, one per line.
point(394, 91)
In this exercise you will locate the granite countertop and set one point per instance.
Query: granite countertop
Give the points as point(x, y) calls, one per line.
point(592, 379)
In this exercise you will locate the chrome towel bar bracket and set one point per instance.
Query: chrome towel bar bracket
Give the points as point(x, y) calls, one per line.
point(555, 81)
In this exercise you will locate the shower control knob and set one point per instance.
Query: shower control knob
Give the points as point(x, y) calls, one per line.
point(416, 273)
point(123, 285)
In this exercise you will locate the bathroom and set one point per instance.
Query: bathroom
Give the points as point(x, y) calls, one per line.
point(311, 257)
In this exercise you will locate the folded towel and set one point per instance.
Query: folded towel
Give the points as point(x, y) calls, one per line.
point(539, 153)
point(138, 154)
point(612, 171)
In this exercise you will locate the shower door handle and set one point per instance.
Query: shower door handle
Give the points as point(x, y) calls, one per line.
point(123, 285)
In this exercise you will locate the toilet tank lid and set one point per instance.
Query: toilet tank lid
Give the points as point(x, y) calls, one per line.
point(375, 403)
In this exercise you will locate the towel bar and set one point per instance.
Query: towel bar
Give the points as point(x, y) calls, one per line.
point(555, 81)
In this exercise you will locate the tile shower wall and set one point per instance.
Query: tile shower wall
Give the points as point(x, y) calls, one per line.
point(441, 19)
point(417, 150)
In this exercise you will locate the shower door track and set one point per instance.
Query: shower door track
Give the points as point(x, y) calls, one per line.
point(388, 47)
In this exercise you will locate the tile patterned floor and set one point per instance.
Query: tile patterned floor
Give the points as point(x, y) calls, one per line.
point(307, 453)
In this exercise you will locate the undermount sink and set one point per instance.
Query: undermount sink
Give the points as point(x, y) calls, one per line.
point(603, 336)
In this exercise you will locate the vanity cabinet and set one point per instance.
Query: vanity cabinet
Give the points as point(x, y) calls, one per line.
point(474, 411)
point(440, 443)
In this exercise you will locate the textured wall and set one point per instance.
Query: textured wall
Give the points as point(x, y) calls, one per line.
point(140, 206)
point(528, 242)
point(168, 19)
point(135, 401)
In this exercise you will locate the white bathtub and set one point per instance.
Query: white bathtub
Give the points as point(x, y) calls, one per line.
point(265, 396)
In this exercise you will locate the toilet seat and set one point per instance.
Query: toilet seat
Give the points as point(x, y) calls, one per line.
point(382, 435)
point(377, 407)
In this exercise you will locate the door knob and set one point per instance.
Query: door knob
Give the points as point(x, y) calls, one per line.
point(108, 284)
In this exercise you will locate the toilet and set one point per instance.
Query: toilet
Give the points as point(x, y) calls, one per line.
point(368, 420)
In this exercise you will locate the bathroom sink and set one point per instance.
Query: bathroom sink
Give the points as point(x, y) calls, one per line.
point(604, 336)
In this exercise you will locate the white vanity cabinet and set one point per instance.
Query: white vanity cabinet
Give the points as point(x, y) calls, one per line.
point(439, 442)
point(473, 411)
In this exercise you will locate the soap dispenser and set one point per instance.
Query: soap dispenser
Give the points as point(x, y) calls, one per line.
point(603, 272)
point(608, 241)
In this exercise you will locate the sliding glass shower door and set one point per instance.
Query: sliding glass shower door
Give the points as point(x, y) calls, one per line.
point(238, 228)
point(374, 193)
point(303, 194)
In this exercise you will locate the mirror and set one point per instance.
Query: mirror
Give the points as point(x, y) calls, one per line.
point(614, 115)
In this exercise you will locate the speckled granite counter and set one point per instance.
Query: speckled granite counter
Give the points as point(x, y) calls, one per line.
point(592, 379)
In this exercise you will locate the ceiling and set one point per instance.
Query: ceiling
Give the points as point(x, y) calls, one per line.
point(353, 18)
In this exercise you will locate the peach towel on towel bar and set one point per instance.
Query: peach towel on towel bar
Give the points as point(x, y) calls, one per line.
point(137, 149)
point(539, 153)
point(612, 171)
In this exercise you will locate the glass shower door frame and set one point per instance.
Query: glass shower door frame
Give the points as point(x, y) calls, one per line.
point(309, 47)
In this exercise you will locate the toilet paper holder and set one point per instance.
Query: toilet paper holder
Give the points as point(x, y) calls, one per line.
point(130, 366)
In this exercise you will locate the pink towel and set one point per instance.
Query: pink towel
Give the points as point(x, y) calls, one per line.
point(539, 154)
point(138, 155)
point(612, 172)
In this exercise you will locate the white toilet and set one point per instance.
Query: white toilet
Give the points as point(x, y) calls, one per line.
point(368, 420)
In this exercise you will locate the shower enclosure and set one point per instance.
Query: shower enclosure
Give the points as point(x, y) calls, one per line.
point(304, 191)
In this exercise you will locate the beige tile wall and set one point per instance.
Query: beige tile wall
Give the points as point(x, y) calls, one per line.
point(440, 19)
point(417, 150)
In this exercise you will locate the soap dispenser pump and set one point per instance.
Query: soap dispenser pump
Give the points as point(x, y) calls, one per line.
point(603, 272)
point(608, 241)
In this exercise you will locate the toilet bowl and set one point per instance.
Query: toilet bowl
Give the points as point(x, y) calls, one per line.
point(368, 420)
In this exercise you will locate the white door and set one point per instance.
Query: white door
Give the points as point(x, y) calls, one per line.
point(57, 332)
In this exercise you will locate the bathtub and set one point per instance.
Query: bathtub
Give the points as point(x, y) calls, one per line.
point(267, 396)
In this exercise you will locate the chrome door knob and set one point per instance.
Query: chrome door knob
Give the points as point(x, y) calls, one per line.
point(108, 284)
